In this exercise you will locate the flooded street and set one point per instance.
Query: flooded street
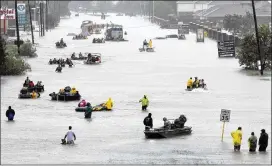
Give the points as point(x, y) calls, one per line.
point(125, 75)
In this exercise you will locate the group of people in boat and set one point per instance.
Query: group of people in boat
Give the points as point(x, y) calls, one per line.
point(93, 58)
point(197, 83)
point(61, 61)
point(98, 40)
point(147, 45)
point(61, 43)
point(68, 91)
point(80, 36)
point(30, 84)
point(73, 56)
point(178, 123)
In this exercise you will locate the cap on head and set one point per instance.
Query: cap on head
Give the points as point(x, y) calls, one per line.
point(70, 127)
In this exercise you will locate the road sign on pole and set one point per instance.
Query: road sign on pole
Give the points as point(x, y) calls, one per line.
point(21, 9)
point(224, 117)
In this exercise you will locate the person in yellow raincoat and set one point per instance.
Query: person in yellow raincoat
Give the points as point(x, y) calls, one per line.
point(108, 105)
point(150, 43)
point(73, 91)
point(34, 95)
point(190, 83)
point(145, 102)
point(205, 34)
point(237, 138)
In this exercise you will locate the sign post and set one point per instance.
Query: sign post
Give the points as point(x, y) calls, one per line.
point(224, 117)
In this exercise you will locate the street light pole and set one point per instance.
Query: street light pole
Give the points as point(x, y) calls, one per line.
point(257, 36)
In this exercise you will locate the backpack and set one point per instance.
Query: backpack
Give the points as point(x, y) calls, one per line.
point(146, 120)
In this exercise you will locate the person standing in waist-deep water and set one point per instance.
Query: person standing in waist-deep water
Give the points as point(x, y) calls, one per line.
point(71, 137)
point(237, 138)
point(263, 141)
point(148, 122)
point(145, 102)
point(10, 113)
point(88, 112)
point(252, 142)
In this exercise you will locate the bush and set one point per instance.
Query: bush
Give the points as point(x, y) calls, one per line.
point(13, 64)
point(27, 49)
point(248, 53)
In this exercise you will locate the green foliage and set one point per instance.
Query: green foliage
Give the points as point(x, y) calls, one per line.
point(248, 53)
point(13, 64)
point(27, 49)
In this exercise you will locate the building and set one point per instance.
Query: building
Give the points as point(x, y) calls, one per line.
point(216, 10)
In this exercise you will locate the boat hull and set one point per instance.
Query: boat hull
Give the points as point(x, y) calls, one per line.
point(162, 133)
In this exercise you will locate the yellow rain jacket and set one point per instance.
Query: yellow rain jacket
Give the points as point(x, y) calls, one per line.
point(150, 44)
point(205, 34)
point(109, 104)
point(190, 83)
point(236, 137)
point(73, 91)
point(34, 95)
point(145, 101)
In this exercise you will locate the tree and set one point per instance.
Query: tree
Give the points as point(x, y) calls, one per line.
point(232, 23)
point(248, 54)
point(239, 24)
point(2, 54)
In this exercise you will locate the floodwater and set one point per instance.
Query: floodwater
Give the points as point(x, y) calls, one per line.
point(126, 75)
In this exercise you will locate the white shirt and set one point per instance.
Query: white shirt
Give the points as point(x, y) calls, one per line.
point(70, 135)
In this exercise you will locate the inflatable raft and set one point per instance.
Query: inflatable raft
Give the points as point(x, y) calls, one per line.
point(27, 96)
point(65, 97)
point(95, 108)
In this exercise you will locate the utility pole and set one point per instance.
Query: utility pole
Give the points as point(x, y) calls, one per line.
point(153, 11)
point(17, 27)
point(31, 27)
point(46, 15)
point(257, 36)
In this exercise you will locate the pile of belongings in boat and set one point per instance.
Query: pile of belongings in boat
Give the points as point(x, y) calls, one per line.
point(30, 90)
point(178, 123)
point(98, 40)
point(80, 36)
point(66, 94)
point(197, 83)
point(93, 58)
point(80, 56)
point(61, 62)
point(61, 44)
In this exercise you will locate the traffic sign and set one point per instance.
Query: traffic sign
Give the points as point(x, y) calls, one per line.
point(225, 115)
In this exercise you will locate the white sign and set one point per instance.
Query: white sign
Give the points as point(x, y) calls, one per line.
point(7, 14)
point(225, 115)
point(21, 8)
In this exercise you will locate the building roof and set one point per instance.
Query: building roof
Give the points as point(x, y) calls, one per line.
point(202, 2)
point(228, 2)
point(222, 10)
